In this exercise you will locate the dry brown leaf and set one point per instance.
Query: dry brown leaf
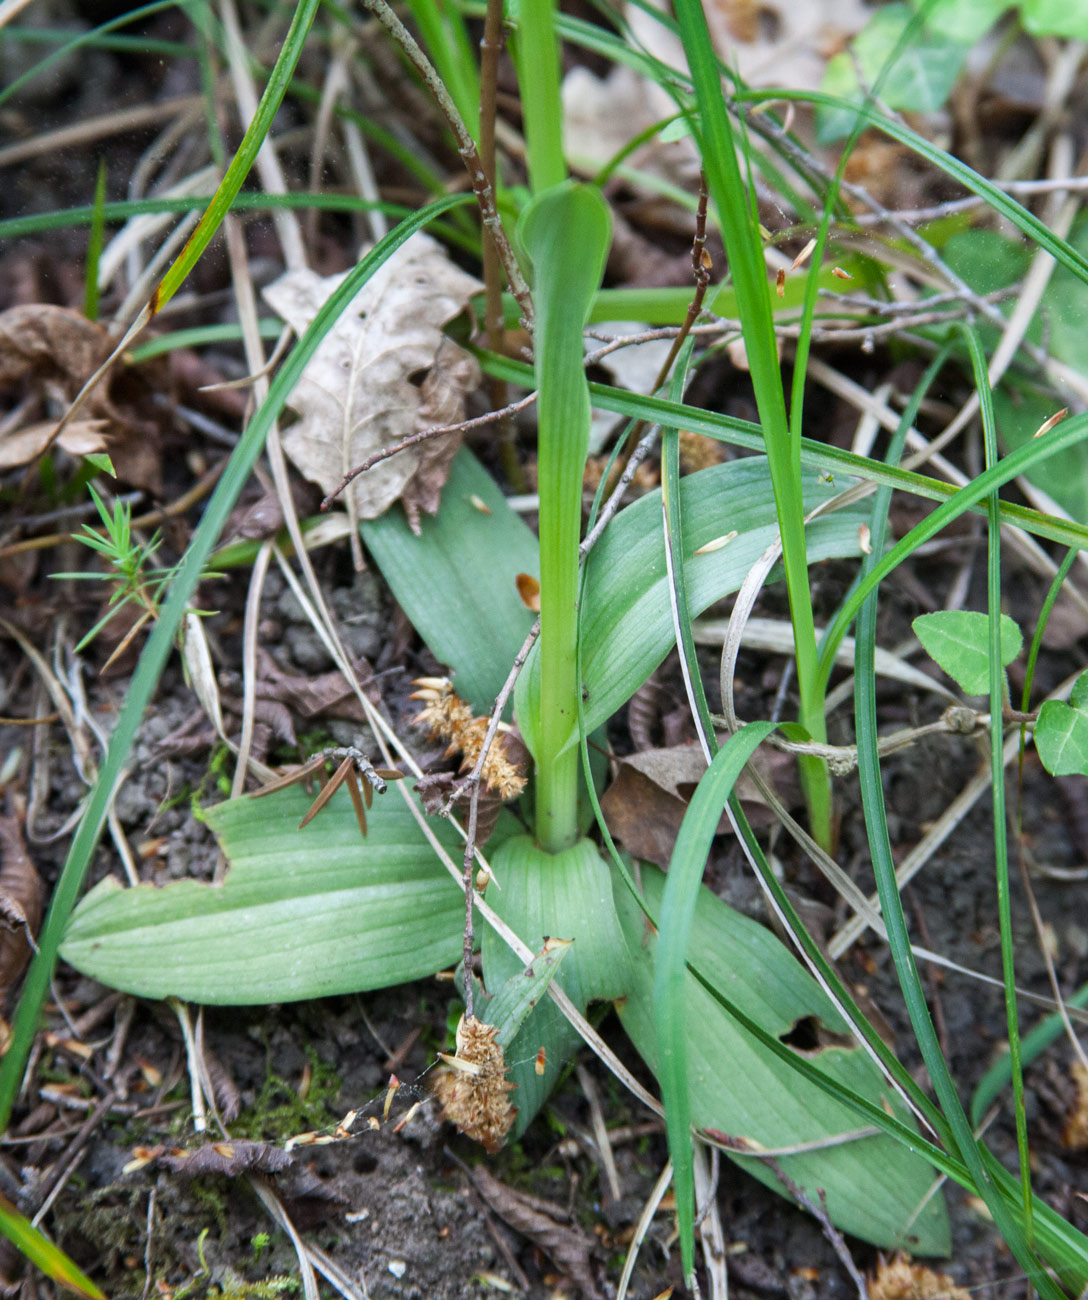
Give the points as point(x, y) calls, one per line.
point(80, 438)
point(571, 1249)
point(20, 902)
point(47, 353)
point(231, 1156)
point(646, 803)
point(383, 372)
point(53, 342)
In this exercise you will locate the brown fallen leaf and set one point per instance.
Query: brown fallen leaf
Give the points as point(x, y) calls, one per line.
point(646, 803)
point(230, 1156)
point(384, 371)
point(48, 352)
point(80, 438)
point(570, 1249)
point(20, 902)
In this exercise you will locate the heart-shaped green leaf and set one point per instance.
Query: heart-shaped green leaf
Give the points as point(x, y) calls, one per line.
point(959, 640)
point(1061, 732)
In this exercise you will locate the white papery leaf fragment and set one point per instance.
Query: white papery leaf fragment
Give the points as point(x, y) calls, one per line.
point(384, 371)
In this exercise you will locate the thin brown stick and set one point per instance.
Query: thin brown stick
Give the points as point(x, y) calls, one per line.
point(413, 438)
point(466, 147)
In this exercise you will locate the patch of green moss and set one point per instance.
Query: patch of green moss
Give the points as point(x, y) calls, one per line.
point(279, 1112)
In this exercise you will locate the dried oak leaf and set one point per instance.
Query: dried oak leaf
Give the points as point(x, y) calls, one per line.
point(20, 902)
point(383, 372)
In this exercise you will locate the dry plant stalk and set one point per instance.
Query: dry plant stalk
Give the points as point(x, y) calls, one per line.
point(447, 717)
point(472, 1086)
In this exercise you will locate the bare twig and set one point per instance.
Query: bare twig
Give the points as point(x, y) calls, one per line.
point(466, 146)
point(384, 453)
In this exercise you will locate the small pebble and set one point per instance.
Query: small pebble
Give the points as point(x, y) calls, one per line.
point(398, 1267)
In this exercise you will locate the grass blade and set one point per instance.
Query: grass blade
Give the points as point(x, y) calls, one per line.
point(699, 827)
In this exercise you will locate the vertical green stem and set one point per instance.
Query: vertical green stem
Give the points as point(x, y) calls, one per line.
point(566, 232)
point(537, 56)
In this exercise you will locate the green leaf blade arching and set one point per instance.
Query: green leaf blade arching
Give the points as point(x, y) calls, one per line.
point(626, 618)
point(874, 1186)
point(456, 580)
point(958, 640)
point(301, 914)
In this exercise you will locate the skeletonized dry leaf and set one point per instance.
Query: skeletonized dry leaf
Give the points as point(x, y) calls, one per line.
point(383, 372)
point(20, 902)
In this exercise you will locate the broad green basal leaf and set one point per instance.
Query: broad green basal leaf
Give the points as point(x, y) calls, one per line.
point(456, 580)
point(626, 620)
point(875, 1189)
point(301, 914)
point(564, 895)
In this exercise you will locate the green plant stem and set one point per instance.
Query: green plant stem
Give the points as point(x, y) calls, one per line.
point(998, 690)
point(537, 56)
point(566, 233)
point(740, 231)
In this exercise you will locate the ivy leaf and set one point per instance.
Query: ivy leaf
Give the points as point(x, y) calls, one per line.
point(959, 640)
point(1061, 733)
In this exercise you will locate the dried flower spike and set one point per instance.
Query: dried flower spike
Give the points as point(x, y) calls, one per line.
point(447, 717)
point(472, 1086)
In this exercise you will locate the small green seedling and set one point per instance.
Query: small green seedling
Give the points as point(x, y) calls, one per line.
point(1061, 733)
point(959, 641)
point(128, 560)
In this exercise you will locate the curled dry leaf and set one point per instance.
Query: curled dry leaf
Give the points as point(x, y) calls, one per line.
point(20, 902)
point(570, 1249)
point(472, 1086)
point(646, 803)
point(80, 438)
point(383, 372)
point(230, 1157)
point(48, 352)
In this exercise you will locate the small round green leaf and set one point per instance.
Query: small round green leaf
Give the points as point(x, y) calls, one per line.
point(1061, 737)
point(959, 640)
